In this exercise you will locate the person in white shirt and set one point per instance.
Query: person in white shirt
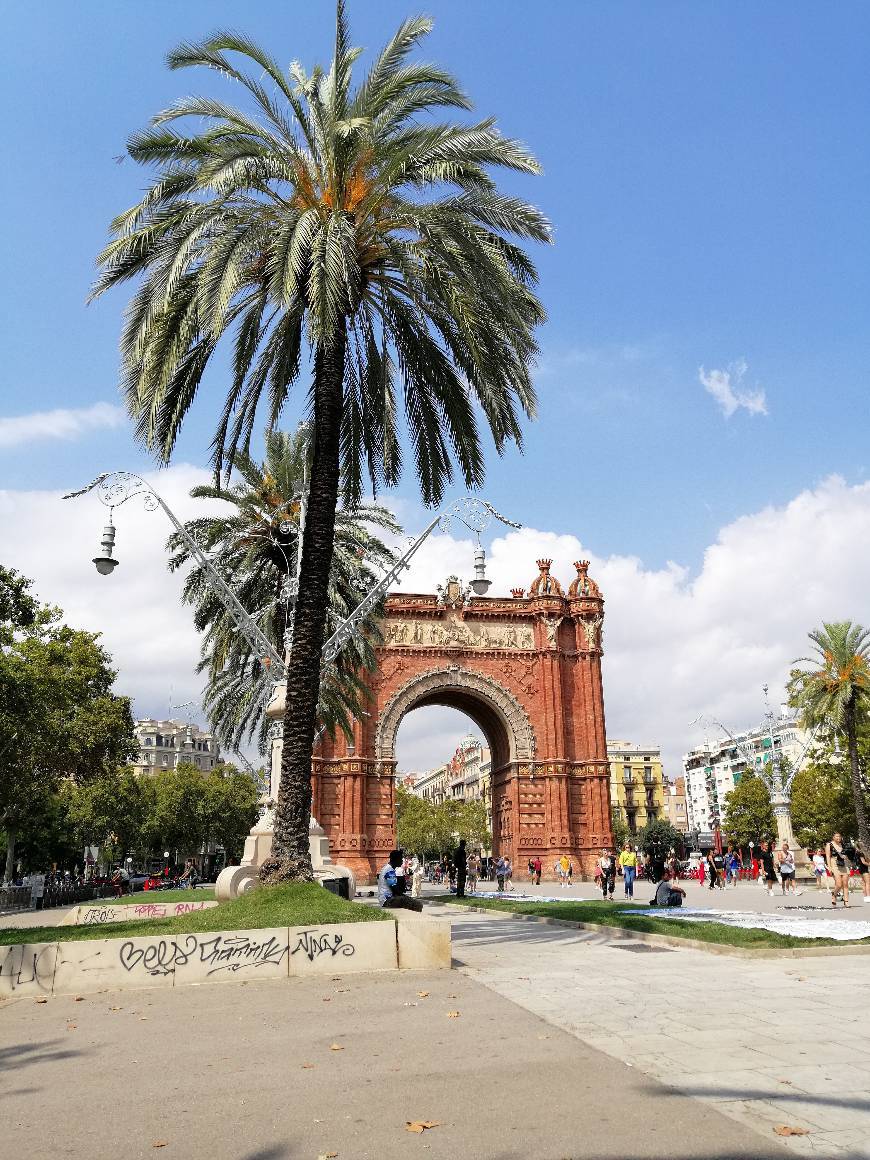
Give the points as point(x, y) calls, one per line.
point(820, 869)
point(787, 869)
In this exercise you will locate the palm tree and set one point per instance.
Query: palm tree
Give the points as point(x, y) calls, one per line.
point(835, 693)
point(346, 232)
point(255, 544)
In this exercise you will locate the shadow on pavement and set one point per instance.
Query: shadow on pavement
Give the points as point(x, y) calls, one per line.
point(798, 1097)
point(22, 1054)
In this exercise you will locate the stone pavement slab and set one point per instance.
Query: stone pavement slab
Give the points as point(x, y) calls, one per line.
point(251, 1073)
point(763, 1041)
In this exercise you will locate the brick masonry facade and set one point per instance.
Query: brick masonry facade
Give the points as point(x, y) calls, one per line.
point(527, 670)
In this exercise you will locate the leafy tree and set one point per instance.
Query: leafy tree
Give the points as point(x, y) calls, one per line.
point(255, 542)
point(748, 815)
point(18, 609)
point(658, 838)
point(619, 828)
point(432, 831)
point(835, 694)
point(354, 222)
point(58, 718)
point(821, 802)
point(229, 808)
point(109, 811)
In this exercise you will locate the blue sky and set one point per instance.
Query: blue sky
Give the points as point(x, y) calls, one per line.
point(706, 172)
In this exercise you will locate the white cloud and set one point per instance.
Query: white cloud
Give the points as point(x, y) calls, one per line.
point(138, 608)
point(676, 644)
point(16, 430)
point(726, 388)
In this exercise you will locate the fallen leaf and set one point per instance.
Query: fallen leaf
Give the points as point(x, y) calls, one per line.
point(788, 1081)
point(79, 999)
point(335, 1047)
point(71, 1026)
point(452, 1014)
point(410, 1004)
point(326, 999)
point(160, 1144)
point(788, 1130)
point(143, 1018)
point(523, 978)
point(342, 990)
point(309, 1066)
point(452, 996)
point(336, 978)
point(419, 1126)
point(423, 994)
point(326, 1155)
point(42, 1000)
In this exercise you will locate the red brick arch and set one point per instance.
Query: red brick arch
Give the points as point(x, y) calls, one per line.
point(527, 670)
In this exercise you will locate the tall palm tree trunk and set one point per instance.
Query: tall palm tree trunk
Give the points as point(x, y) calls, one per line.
point(855, 769)
point(290, 853)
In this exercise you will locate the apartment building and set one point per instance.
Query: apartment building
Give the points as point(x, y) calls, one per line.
point(166, 744)
point(713, 769)
point(636, 783)
point(676, 811)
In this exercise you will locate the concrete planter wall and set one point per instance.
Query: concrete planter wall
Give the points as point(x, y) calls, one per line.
point(43, 969)
point(99, 914)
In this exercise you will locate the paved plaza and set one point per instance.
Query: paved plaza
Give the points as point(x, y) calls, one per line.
point(567, 1044)
point(250, 1072)
point(775, 1041)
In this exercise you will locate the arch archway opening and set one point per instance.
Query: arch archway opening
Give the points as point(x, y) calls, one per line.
point(430, 732)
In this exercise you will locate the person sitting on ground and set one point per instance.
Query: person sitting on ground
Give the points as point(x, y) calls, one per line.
point(392, 886)
point(668, 893)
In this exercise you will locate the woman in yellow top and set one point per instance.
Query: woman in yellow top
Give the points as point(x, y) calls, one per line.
point(628, 864)
point(564, 866)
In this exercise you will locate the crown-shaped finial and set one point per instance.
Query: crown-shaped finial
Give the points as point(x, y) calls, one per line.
point(518, 593)
point(583, 585)
point(544, 584)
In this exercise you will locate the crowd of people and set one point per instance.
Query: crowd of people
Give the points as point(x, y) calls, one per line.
point(835, 866)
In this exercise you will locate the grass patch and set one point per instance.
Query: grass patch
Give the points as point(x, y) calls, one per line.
point(204, 894)
point(608, 914)
point(297, 904)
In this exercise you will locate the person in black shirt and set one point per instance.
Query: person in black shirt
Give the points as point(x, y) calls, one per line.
point(460, 861)
point(768, 865)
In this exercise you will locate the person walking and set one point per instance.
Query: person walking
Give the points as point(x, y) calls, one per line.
point(607, 865)
point(537, 867)
point(628, 863)
point(702, 872)
point(861, 862)
point(531, 872)
point(729, 859)
point(768, 866)
point(499, 875)
point(508, 875)
point(564, 871)
point(787, 870)
point(820, 869)
point(460, 861)
point(713, 870)
point(838, 868)
point(473, 871)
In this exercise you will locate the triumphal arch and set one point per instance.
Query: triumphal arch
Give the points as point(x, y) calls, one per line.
point(527, 670)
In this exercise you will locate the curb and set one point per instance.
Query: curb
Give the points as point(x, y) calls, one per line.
point(620, 933)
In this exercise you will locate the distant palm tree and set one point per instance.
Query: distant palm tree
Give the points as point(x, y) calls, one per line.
point(836, 693)
point(353, 223)
point(255, 545)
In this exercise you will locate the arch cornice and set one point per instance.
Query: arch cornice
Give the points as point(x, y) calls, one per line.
point(424, 686)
